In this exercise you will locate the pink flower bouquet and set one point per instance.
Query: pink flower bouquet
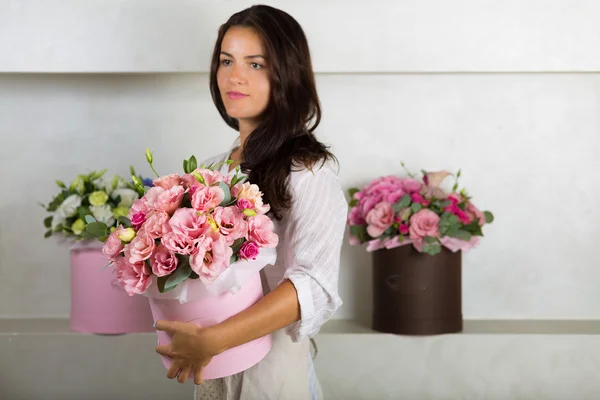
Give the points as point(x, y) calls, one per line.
point(393, 211)
point(194, 244)
point(193, 226)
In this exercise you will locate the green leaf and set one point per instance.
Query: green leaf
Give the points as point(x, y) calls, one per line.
point(48, 222)
point(103, 238)
point(227, 192)
point(86, 235)
point(192, 164)
point(61, 184)
point(48, 234)
point(352, 192)
point(235, 180)
point(185, 201)
point(389, 232)
point(360, 231)
point(402, 203)
point(56, 202)
point(186, 170)
point(124, 221)
point(95, 175)
point(194, 275)
point(416, 207)
point(237, 245)
point(431, 246)
point(234, 258)
point(160, 282)
point(354, 203)
point(445, 203)
point(473, 228)
point(97, 229)
point(84, 211)
point(430, 240)
point(182, 272)
point(462, 235)
point(489, 217)
point(89, 219)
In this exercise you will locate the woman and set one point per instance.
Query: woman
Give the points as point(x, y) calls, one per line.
point(263, 85)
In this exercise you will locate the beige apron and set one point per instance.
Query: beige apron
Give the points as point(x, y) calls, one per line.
point(282, 375)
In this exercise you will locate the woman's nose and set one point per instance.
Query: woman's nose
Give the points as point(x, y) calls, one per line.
point(237, 75)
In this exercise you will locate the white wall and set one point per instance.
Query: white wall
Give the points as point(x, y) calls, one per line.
point(506, 91)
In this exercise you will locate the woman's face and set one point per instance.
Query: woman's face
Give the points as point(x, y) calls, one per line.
point(243, 74)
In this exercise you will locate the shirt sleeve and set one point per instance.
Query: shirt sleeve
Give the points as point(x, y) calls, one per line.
point(317, 223)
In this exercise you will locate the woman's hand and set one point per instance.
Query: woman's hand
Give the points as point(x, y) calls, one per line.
point(191, 349)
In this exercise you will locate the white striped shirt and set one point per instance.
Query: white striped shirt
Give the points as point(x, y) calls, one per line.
point(310, 241)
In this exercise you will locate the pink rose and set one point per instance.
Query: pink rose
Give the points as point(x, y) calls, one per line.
point(140, 248)
point(213, 262)
point(134, 278)
point(198, 259)
point(207, 198)
point(424, 223)
point(417, 198)
point(188, 181)
point(210, 177)
point(186, 222)
point(394, 195)
point(261, 231)
point(379, 219)
point(368, 202)
point(383, 183)
point(179, 244)
point(138, 206)
point(138, 219)
point(474, 213)
point(355, 217)
point(453, 208)
point(231, 223)
point(157, 224)
point(249, 250)
point(411, 185)
point(168, 181)
point(403, 229)
point(244, 204)
point(113, 246)
point(167, 200)
point(163, 261)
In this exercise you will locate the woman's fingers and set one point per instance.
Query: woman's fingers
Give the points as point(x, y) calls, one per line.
point(198, 375)
point(174, 370)
point(184, 375)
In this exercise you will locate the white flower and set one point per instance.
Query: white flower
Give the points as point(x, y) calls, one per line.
point(58, 218)
point(105, 183)
point(69, 207)
point(103, 214)
point(128, 196)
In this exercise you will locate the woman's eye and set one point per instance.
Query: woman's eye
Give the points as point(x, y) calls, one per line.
point(256, 66)
point(225, 62)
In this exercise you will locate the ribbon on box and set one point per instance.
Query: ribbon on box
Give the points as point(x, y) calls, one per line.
point(230, 280)
point(451, 243)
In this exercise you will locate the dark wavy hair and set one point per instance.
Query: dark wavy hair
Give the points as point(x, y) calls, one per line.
point(284, 137)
